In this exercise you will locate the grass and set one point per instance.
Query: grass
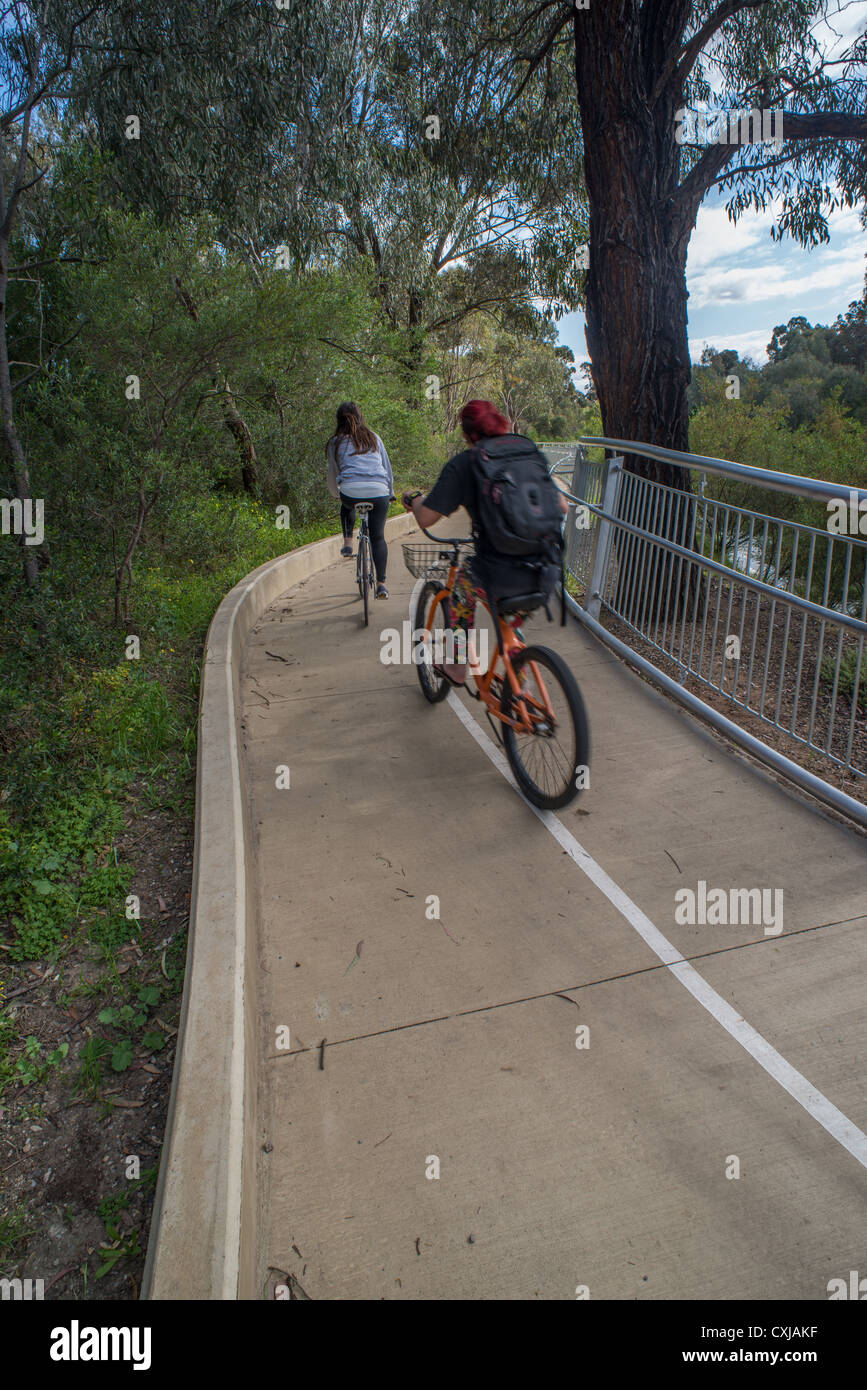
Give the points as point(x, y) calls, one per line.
point(121, 1245)
point(91, 1064)
point(86, 733)
point(16, 1228)
point(846, 678)
point(87, 727)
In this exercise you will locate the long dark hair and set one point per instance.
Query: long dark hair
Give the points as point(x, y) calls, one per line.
point(482, 420)
point(351, 425)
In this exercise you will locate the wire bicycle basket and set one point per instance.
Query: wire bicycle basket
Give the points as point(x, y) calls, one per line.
point(421, 559)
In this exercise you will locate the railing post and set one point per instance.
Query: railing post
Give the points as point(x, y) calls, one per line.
point(604, 535)
point(579, 468)
point(580, 471)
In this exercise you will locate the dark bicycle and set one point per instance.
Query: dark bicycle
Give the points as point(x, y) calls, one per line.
point(364, 572)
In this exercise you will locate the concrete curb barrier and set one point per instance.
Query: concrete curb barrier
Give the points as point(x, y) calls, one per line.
point(202, 1236)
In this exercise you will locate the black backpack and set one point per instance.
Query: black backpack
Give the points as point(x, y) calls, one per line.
point(517, 501)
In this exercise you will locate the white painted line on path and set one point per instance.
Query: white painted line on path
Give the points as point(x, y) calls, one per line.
point(799, 1088)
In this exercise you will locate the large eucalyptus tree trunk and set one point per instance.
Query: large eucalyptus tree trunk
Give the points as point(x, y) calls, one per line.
point(636, 291)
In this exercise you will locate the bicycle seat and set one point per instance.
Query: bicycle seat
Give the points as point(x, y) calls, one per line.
point(521, 603)
point(364, 506)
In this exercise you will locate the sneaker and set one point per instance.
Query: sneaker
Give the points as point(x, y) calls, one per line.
point(347, 551)
point(381, 591)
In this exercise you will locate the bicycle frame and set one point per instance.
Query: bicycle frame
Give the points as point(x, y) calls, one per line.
point(363, 531)
point(510, 645)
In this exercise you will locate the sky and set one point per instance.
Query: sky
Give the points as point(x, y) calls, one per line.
point(742, 284)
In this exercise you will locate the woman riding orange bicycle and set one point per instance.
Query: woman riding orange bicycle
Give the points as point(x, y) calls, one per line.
point(487, 569)
point(532, 700)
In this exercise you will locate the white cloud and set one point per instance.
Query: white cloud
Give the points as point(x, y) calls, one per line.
point(847, 21)
point(842, 273)
point(747, 344)
point(730, 263)
point(716, 236)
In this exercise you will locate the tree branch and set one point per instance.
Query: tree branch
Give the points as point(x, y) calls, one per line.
point(677, 70)
point(819, 125)
point(534, 59)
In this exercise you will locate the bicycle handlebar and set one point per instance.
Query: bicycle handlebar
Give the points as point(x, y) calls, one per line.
point(446, 540)
point(439, 540)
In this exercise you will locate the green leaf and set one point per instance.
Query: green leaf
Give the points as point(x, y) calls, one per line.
point(42, 887)
point(111, 1259)
point(107, 1015)
point(149, 994)
point(154, 1041)
point(121, 1055)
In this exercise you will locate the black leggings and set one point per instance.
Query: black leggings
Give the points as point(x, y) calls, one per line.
point(375, 524)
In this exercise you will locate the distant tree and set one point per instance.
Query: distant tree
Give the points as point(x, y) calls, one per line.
point(849, 386)
point(387, 143)
point(789, 339)
point(715, 367)
point(848, 345)
point(42, 43)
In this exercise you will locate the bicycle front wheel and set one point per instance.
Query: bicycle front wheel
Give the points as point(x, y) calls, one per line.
point(364, 575)
point(431, 616)
point(551, 763)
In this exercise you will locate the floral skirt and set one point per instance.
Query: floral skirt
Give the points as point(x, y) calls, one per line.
point(466, 594)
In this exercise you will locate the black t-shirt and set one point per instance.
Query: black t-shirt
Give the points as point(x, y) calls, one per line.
point(455, 487)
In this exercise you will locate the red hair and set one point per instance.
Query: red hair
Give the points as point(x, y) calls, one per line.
point(482, 420)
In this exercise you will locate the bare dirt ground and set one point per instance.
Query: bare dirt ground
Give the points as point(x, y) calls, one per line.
point(66, 1151)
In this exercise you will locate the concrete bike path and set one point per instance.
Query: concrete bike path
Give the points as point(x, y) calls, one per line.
point(451, 1040)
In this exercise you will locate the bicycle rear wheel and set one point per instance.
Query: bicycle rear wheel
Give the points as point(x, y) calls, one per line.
point(546, 762)
point(431, 618)
point(364, 573)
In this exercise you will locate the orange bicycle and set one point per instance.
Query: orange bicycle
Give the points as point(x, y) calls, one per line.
point(545, 732)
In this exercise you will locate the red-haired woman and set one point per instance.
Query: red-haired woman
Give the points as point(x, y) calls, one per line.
point(359, 471)
point(456, 487)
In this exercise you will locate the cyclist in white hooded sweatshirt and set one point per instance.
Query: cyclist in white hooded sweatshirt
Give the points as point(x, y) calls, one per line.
point(359, 470)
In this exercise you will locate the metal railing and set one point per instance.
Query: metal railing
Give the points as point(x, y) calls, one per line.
point(559, 454)
point(766, 611)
